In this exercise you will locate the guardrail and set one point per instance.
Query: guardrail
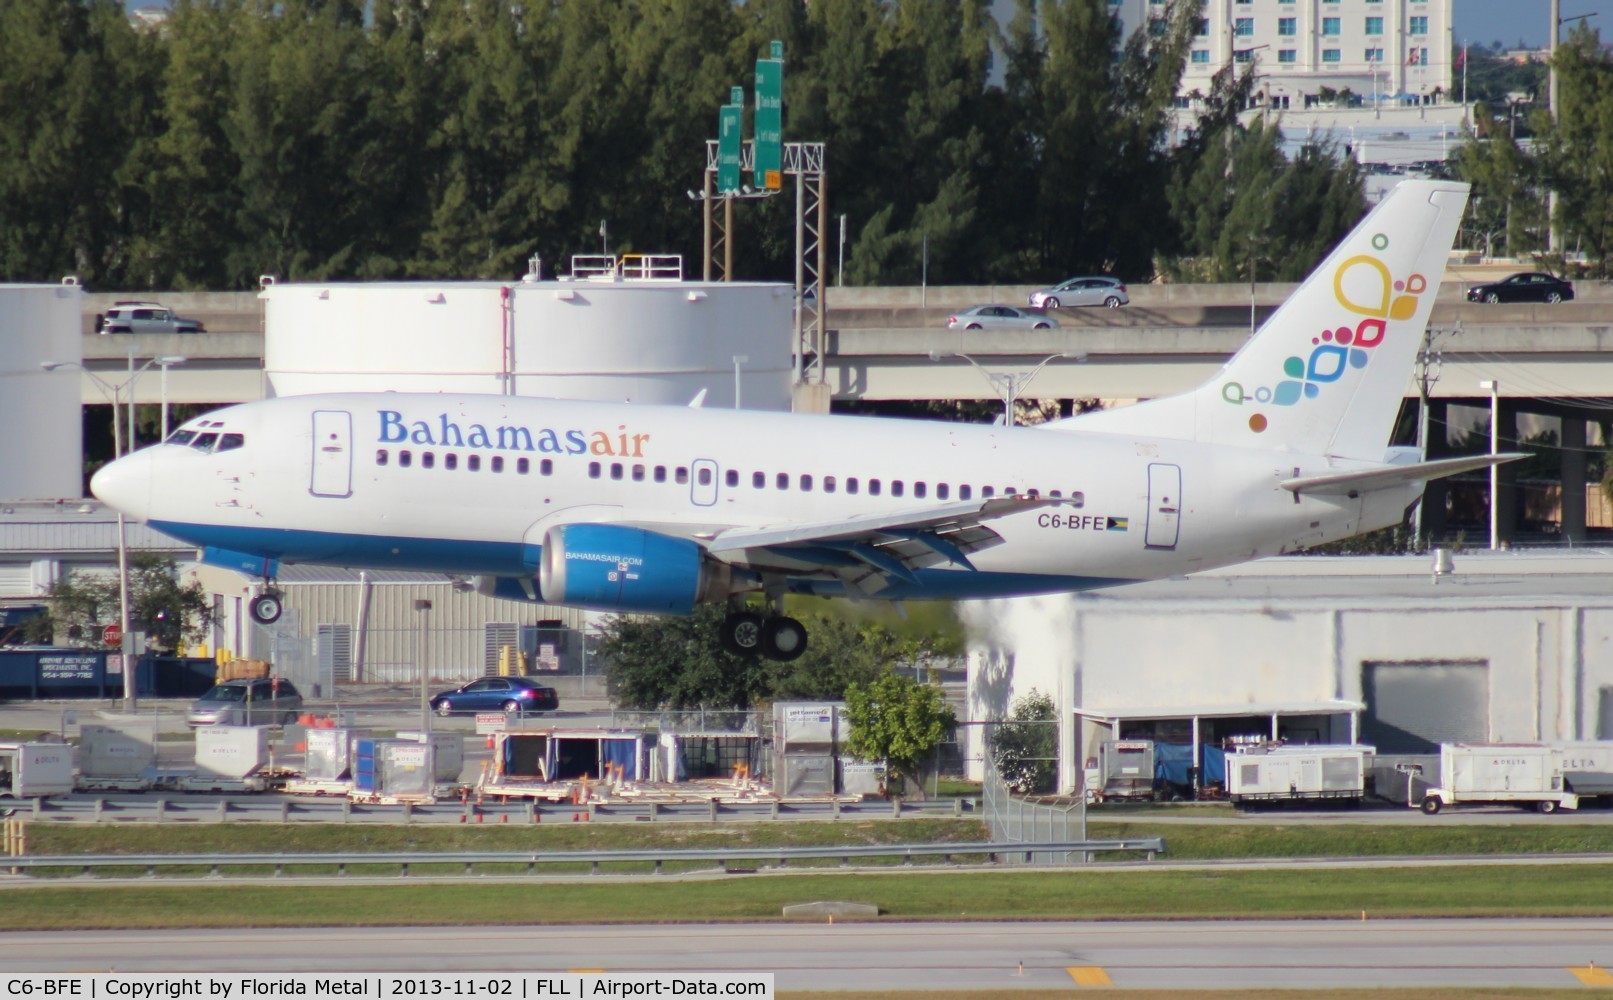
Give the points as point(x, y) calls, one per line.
point(162, 807)
point(721, 858)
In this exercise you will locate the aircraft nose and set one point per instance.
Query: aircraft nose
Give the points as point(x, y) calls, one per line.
point(125, 485)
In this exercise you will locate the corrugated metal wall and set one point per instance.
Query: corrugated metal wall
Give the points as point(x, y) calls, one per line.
point(388, 646)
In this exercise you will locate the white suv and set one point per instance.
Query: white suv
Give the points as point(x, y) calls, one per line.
point(144, 317)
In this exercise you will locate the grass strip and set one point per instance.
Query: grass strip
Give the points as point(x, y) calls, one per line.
point(1402, 891)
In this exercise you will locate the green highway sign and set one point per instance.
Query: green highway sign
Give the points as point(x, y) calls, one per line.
point(769, 163)
point(730, 144)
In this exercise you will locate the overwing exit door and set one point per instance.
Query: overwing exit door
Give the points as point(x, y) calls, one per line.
point(333, 454)
point(1164, 506)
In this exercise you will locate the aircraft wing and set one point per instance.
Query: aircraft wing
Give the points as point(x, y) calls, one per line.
point(868, 551)
point(1385, 476)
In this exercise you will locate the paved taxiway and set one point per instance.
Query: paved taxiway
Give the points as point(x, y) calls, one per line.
point(983, 956)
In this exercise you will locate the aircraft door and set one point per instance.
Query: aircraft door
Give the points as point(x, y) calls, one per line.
point(1164, 506)
point(333, 454)
point(703, 482)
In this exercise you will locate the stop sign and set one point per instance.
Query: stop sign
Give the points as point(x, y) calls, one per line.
point(112, 635)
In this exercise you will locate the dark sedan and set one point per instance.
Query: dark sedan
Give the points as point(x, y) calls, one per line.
point(1530, 286)
point(510, 695)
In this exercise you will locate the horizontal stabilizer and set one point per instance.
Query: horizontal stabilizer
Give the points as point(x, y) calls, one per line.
point(1384, 476)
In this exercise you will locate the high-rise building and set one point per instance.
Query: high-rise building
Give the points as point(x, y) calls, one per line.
point(1396, 50)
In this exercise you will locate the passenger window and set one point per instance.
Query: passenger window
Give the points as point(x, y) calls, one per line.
point(404, 458)
point(1009, 491)
point(704, 476)
point(680, 475)
point(1033, 493)
point(758, 480)
point(987, 492)
point(919, 490)
point(523, 466)
point(896, 487)
point(783, 481)
point(1055, 494)
point(828, 484)
point(428, 459)
point(806, 484)
point(731, 477)
point(380, 456)
point(660, 473)
point(638, 473)
point(450, 461)
point(1077, 499)
point(545, 467)
point(593, 470)
point(498, 463)
point(941, 491)
point(964, 491)
point(230, 442)
point(616, 470)
point(873, 487)
point(473, 463)
point(851, 484)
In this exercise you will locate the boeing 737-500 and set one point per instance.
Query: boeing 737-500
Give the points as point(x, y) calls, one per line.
point(656, 509)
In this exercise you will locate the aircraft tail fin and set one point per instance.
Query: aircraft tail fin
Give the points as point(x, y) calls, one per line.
point(1326, 373)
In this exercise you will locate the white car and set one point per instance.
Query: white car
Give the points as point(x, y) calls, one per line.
point(1110, 292)
point(144, 317)
point(981, 317)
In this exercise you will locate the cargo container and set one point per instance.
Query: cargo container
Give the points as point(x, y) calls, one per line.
point(34, 771)
point(1519, 773)
point(231, 751)
point(117, 752)
point(1123, 769)
point(1273, 773)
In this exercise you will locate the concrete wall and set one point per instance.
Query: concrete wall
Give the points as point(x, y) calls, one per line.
point(41, 451)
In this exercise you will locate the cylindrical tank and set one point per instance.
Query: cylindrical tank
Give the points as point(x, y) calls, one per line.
point(649, 341)
point(42, 454)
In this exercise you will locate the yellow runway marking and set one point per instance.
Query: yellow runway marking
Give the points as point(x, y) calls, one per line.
point(1593, 975)
point(1089, 975)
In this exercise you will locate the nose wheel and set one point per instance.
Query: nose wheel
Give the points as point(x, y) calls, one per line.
point(265, 608)
point(778, 637)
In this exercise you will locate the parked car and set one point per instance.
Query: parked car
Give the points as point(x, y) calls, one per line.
point(1528, 286)
point(264, 701)
point(510, 695)
point(144, 317)
point(1109, 292)
point(981, 317)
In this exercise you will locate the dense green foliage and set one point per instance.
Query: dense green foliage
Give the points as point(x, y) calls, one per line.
point(897, 720)
point(340, 139)
point(167, 612)
point(1025, 749)
point(679, 663)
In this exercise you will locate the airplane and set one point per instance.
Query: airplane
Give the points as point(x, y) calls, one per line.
point(655, 509)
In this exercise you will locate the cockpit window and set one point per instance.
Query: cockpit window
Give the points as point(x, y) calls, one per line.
point(181, 437)
point(230, 442)
point(204, 442)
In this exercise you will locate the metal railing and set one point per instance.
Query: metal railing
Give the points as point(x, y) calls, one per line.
point(720, 858)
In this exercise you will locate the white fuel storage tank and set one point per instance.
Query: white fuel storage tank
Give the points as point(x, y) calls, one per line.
point(604, 338)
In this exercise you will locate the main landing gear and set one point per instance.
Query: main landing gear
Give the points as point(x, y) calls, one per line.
point(775, 637)
point(265, 607)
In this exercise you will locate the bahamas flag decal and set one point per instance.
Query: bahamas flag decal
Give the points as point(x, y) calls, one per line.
point(1116, 524)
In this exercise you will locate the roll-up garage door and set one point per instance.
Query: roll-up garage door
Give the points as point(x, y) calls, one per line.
point(1414, 707)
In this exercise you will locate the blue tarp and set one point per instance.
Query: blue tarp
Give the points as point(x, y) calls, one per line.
point(1173, 763)
point(1215, 766)
point(622, 752)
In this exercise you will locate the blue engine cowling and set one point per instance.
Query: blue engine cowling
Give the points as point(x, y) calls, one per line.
point(608, 567)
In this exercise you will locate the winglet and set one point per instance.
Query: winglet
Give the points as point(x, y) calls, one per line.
point(698, 401)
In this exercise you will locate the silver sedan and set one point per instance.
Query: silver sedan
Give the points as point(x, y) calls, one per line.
point(983, 317)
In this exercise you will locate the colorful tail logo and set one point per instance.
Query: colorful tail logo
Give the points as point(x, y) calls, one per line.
point(1362, 285)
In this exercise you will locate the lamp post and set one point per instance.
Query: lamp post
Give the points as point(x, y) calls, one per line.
point(423, 639)
point(1009, 385)
point(114, 393)
point(739, 361)
point(1494, 385)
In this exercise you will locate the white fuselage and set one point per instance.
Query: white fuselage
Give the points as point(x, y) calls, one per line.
point(470, 484)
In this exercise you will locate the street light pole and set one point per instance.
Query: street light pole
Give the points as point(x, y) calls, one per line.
point(1008, 384)
point(1494, 385)
point(423, 640)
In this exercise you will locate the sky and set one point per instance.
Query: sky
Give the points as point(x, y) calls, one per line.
point(1480, 22)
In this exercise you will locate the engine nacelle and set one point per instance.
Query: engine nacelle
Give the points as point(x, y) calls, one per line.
point(609, 567)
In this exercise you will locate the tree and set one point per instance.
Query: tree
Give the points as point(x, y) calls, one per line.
point(168, 612)
point(1578, 153)
point(1505, 213)
point(1026, 749)
point(679, 663)
point(898, 720)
